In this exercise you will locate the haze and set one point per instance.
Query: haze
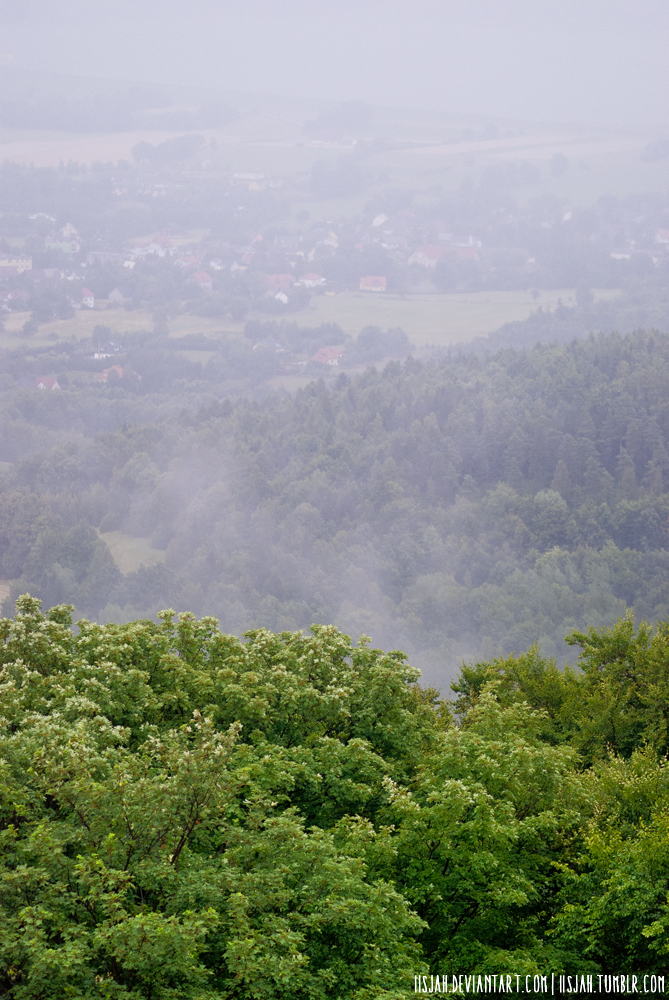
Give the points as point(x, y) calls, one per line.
point(256, 254)
point(600, 62)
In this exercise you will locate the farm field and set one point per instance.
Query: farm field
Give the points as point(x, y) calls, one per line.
point(596, 163)
point(129, 552)
point(435, 319)
point(49, 149)
point(262, 142)
point(79, 327)
point(120, 322)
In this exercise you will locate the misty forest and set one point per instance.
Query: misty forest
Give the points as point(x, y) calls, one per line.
point(334, 544)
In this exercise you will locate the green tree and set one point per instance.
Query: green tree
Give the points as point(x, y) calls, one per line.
point(146, 859)
point(614, 908)
point(478, 830)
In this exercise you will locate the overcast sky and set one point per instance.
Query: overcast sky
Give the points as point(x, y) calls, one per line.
point(556, 60)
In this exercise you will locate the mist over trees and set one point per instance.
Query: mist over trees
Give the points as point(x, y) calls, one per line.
point(463, 506)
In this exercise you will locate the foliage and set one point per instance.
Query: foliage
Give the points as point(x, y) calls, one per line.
point(148, 851)
point(616, 702)
point(615, 891)
point(184, 814)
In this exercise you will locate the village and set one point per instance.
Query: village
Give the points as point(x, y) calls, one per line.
point(262, 263)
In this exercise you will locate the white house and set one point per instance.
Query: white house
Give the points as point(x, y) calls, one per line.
point(373, 283)
point(427, 256)
point(311, 280)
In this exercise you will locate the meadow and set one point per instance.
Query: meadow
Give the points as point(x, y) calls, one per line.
point(120, 321)
point(129, 552)
point(439, 320)
point(427, 319)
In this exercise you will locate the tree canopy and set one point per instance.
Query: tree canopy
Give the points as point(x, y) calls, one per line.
point(184, 814)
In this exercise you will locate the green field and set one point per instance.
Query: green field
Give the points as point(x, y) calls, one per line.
point(426, 318)
point(130, 553)
point(200, 357)
point(598, 162)
point(434, 319)
point(120, 322)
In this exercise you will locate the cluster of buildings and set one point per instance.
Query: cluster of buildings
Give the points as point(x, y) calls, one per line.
point(658, 252)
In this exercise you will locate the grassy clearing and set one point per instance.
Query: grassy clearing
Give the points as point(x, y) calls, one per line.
point(197, 356)
point(120, 321)
point(434, 319)
point(215, 328)
point(130, 553)
point(184, 239)
point(79, 327)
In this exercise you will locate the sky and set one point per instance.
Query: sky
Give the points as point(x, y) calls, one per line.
point(590, 61)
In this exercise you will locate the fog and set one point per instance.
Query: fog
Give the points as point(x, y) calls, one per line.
point(557, 60)
point(347, 313)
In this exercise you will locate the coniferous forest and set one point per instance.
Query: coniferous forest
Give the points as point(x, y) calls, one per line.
point(457, 507)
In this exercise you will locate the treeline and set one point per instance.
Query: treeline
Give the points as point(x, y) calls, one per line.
point(461, 506)
point(644, 306)
point(85, 197)
point(233, 366)
point(188, 815)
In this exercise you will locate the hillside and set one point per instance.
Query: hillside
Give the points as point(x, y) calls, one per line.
point(452, 508)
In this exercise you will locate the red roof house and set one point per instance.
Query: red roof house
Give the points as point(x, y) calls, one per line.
point(427, 256)
point(120, 372)
point(280, 282)
point(373, 283)
point(187, 260)
point(311, 280)
point(202, 279)
point(328, 355)
point(104, 375)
